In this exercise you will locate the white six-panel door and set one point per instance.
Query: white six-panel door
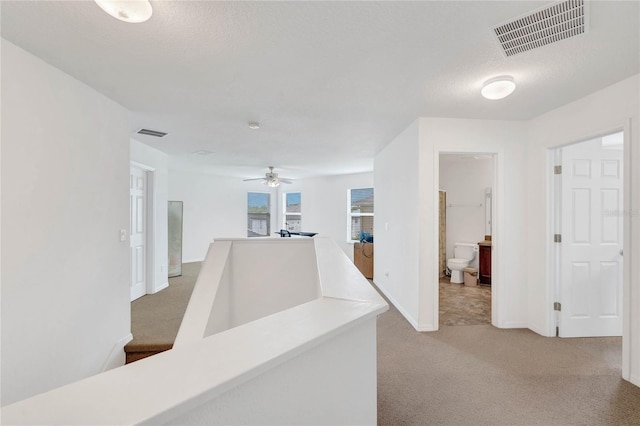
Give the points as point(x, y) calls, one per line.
point(591, 247)
point(138, 226)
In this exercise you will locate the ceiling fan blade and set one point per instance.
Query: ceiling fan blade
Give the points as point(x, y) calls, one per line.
point(246, 180)
point(285, 180)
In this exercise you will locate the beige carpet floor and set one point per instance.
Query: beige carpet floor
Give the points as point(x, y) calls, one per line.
point(481, 375)
point(155, 318)
point(461, 375)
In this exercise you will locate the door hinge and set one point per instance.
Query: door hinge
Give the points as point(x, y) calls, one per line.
point(557, 238)
point(557, 306)
point(557, 170)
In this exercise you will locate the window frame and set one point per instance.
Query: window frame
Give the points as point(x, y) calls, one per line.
point(285, 213)
point(351, 214)
point(268, 214)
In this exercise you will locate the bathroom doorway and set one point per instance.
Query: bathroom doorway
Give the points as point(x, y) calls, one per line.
point(465, 237)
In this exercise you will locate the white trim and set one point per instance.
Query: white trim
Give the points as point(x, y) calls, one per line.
point(514, 324)
point(552, 292)
point(143, 166)
point(540, 331)
point(116, 357)
point(199, 259)
point(159, 288)
point(273, 220)
point(628, 311)
point(350, 214)
point(283, 222)
point(152, 212)
point(397, 305)
point(151, 232)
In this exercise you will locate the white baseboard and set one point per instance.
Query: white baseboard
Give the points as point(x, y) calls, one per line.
point(193, 260)
point(426, 327)
point(514, 325)
point(635, 380)
point(395, 303)
point(157, 289)
point(537, 331)
point(117, 356)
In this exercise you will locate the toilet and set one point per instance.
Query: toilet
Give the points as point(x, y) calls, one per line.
point(463, 255)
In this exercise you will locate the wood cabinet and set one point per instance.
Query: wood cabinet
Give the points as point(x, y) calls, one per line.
point(363, 258)
point(484, 262)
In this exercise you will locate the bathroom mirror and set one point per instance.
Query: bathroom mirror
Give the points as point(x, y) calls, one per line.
point(175, 238)
point(487, 211)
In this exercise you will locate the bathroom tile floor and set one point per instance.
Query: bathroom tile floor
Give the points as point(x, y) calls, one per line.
point(464, 305)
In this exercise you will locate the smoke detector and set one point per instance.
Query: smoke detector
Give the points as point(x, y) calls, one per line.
point(544, 26)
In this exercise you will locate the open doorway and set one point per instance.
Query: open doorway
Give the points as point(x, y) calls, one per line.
point(589, 229)
point(465, 238)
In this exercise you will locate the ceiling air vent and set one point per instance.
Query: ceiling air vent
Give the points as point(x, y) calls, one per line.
point(152, 133)
point(544, 26)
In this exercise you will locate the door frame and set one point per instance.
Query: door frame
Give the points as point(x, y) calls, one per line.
point(553, 265)
point(151, 227)
point(496, 224)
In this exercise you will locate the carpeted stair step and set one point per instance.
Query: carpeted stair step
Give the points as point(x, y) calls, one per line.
point(135, 352)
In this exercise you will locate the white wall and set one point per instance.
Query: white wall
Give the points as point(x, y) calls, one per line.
point(157, 163)
point(213, 207)
point(65, 273)
point(417, 251)
point(507, 140)
point(611, 109)
point(324, 205)
point(216, 207)
point(465, 181)
point(396, 256)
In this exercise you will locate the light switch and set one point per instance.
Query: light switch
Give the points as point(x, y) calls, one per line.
point(123, 235)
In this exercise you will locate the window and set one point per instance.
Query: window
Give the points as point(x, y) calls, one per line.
point(258, 214)
point(360, 207)
point(292, 212)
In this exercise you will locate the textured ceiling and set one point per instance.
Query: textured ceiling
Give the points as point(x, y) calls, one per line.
point(330, 82)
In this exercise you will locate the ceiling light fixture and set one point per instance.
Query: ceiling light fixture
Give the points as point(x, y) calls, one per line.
point(272, 183)
point(132, 11)
point(498, 87)
point(254, 125)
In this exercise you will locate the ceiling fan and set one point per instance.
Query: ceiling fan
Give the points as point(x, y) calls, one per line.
point(271, 179)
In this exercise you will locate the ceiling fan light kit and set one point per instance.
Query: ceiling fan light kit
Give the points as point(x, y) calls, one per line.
point(132, 11)
point(271, 179)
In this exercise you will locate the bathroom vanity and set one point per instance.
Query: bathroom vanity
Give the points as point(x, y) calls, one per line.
point(484, 262)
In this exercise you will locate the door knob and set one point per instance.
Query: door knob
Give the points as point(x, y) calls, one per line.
point(621, 252)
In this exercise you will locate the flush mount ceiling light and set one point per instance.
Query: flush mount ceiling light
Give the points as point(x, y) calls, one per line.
point(498, 87)
point(254, 125)
point(132, 11)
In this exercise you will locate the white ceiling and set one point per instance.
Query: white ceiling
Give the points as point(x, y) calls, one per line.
point(330, 82)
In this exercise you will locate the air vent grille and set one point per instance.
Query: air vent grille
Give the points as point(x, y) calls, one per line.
point(545, 26)
point(152, 133)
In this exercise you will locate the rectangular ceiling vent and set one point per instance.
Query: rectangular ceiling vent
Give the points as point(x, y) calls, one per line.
point(152, 133)
point(542, 27)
